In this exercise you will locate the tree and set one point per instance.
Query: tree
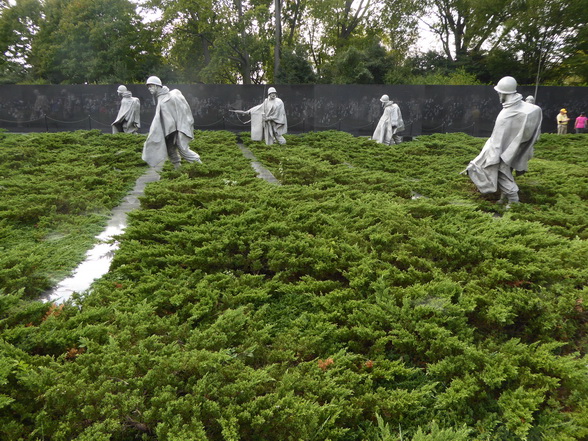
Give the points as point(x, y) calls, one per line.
point(365, 62)
point(295, 67)
point(543, 32)
point(464, 26)
point(93, 41)
point(19, 22)
point(333, 26)
point(224, 41)
point(188, 28)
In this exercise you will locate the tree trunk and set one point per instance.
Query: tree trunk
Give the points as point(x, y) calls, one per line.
point(245, 62)
point(278, 42)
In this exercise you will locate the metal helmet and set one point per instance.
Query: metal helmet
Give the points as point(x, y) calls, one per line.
point(530, 99)
point(506, 85)
point(271, 90)
point(385, 98)
point(121, 89)
point(154, 80)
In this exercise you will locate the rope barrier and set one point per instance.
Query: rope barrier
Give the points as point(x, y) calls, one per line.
point(361, 127)
point(99, 122)
point(463, 128)
point(329, 126)
point(212, 124)
point(435, 128)
point(66, 122)
point(18, 121)
point(225, 121)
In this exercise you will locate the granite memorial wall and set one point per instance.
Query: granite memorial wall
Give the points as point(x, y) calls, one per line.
point(352, 108)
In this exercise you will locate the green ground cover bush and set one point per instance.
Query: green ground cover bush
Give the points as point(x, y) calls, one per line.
point(375, 295)
point(57, 192)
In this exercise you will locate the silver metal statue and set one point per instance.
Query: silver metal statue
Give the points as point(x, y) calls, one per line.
point(510, 147)
point(128, 119)
point(268, 119)
point(172, 128)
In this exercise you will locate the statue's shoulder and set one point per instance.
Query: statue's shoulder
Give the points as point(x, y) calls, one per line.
point(530, 108)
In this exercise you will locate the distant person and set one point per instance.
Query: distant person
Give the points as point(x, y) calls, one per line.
point(128, 119)
point(172, 128)
point(40, 106)
point(581, 123)
point(390, 124)
point(268, 119)
point(510, 147)
point(530, 99)
point(562, 122)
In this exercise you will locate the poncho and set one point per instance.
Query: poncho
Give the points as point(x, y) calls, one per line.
point(172, 114)
point(389, 119)
point(517, 127)
point(276, 123)
point(129, 113)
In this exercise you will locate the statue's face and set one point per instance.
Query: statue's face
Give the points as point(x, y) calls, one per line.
point(502, 97)
point(272, 96)
point(152, 88)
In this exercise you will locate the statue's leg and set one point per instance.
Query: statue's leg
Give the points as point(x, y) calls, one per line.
point(183, 143)
point(397, 139)
point(507, 184)
point(172, 150)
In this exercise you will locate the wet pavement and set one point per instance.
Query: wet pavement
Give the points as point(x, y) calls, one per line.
point(98, 259)
point(262, 172)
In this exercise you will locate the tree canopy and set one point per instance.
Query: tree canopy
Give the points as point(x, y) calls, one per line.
point(290, 41)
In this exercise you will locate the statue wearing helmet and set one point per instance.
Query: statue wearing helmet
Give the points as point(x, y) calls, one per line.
point(510, 147)
point(390, 123)
point(172, 128)
point(268, 119)
point(128, 119)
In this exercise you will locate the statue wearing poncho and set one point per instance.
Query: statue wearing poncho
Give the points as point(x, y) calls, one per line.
point(268, 119)
point(128, 119)
point(172, 128)
point(510, 147)
point(390, 124)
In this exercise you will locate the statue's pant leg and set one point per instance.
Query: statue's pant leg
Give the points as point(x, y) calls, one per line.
point(507, 184)
point(172, 150)
point(183, 143)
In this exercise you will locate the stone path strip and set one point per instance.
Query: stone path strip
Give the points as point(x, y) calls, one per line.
point(98, 259)
point(262, 172)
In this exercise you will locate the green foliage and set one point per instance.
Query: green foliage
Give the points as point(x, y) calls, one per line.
point(458, 77)
point(94, 41)
point(374, 295)
point(57, 191)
